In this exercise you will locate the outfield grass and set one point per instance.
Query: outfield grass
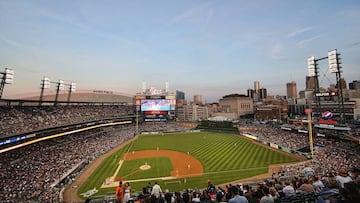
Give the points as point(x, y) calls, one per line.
point(225, 158)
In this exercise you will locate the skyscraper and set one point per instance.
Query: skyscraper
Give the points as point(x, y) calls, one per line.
point(198, 99)
point(256, 86)
point(256, 91)
point(250, 93)
point(291, 90)
point(262, 93)
point(310, 83)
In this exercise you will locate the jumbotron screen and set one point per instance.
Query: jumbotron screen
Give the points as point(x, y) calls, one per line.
point(155, 105)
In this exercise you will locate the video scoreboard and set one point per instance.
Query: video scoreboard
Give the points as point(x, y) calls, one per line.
point(155, 107)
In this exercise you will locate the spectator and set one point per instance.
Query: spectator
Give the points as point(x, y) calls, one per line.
point(209, 186)
point(119, 193)
point(318, 185)
point(306, 186)
point(168, 196)
point(288, 190)
point(140, 199)
point(274, 194)
point(127, 192)
point(156, 192)
point(342, 178)
point(350, 193)
point(355, 175)
point(267, 198)
point(195, 197)
point(237, 198)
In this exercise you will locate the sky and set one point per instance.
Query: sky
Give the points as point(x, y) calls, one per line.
point(207, 47)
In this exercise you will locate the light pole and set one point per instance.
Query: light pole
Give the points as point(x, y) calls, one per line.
point(7, 78)
point(313, 70)
point(60, 86)
point(334, 67)
point(137, 119)
point(72, 88)
point(311, 145)
point(45, 84)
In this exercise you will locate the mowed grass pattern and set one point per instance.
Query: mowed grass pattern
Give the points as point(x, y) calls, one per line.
point(217, 152)
point(225, 158)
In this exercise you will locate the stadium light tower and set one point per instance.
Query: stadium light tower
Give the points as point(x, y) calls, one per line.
point(72, 88)
point(7, 78)
point(60, 86)
point(313, 71)
point(45, 84)
point(334, 67)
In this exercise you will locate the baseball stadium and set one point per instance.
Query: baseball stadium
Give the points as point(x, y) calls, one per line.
point(80, 151)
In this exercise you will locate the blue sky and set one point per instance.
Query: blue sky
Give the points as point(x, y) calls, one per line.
point(203, 47)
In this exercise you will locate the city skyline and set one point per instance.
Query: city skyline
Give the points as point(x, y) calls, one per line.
point(209, 48)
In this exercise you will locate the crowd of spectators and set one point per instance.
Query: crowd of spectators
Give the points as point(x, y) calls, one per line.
point(15, 120)
point(159, 126)
point(276, 135)
point(329, 154)
point(294, 190)
point(27, 174)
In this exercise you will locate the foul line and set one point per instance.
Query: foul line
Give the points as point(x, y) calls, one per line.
point(122, 161)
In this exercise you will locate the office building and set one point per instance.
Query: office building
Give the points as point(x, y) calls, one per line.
point(241, 105)
point(198, 99)
point(354, 85)
point(310, 82)
point(262, 93)
point(291, 90)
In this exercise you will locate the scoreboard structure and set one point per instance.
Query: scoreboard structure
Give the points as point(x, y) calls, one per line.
point(155, 105)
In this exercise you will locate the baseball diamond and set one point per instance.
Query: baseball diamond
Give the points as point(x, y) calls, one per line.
point(181, 160)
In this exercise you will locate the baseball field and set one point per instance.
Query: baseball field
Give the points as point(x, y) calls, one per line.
point(179, 161)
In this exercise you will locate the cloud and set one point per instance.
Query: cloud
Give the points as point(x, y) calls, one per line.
point(300, 31)
point(14, 43)
point(302, 43)
point(354, 44)
point(275, 52)
point(83, 27)
point(201, 11)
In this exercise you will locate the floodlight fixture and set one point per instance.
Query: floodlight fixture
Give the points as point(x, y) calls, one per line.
point(46, 83)
point(72, 87)
point(311, 66)
point(61, 85)
point(334, 61)
point(9, 76)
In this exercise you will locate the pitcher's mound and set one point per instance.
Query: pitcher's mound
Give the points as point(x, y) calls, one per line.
point(145, 167)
